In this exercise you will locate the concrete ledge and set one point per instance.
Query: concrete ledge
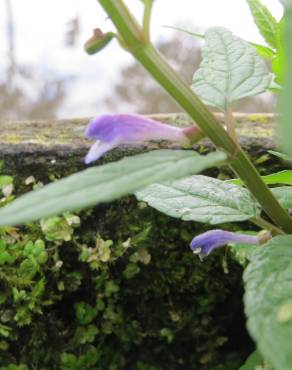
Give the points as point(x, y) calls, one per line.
point(167, 309)
point(53, 143)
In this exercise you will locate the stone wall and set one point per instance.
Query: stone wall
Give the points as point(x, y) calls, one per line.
point(115, 287)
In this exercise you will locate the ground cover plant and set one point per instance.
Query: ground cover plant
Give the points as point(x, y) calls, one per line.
point(168, 180)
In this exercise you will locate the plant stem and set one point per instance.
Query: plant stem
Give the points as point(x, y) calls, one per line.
point(267, 226)
point(148, 4)
point(160, 70)
point(229, 123)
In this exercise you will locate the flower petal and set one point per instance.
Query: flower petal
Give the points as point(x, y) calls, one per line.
point(129, 128)
point(98, 149)
point(205, 243)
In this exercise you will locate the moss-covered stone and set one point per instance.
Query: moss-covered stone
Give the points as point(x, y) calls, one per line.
point(115, 287)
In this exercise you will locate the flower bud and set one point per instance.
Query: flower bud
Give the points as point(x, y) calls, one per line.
point(98, 41)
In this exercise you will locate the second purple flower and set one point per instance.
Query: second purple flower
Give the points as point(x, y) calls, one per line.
point(205, 243)
point(111, 131)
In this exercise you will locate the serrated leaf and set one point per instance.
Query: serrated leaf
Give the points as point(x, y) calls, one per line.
point(285, 101)
point(105, 183)
point(284, 195)
point(266, 23)
point(268, 301)
point(282, 177)
point(202, 199)
point(230, 70)
point(263, 51)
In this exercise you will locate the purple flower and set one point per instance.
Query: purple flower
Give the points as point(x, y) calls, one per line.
point(111, 131)
point(203, 244)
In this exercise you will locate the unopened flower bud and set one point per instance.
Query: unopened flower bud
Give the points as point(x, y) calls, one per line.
point(98, 41)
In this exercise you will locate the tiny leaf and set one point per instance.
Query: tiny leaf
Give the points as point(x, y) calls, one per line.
point(202, 199)
point(268, 301)
point(230, 70)
point(105, 183)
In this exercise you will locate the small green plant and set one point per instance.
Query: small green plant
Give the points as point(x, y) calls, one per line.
point(231, 69)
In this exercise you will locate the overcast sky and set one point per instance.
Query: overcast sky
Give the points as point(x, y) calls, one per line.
point(40, 28)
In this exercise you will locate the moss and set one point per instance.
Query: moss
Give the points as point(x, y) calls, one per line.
point(122, 290)
point(13, 139)
point(119, 288)
point(259, 118)
point(142, 298)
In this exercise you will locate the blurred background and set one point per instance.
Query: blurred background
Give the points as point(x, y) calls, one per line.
point(45, 73)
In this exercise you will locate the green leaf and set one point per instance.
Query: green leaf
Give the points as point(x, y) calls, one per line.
point(5, 180)
point(282, 177)
point(285, 101)
point(268, 301)
point(105, 183)
point(275, 87)
point(279, 61)
point(280, 155)
point(284, 196)
point(202, 199)
point(56, 228)
point(263, 51)
point(28, 268)
point(265, 21)
point(230, 70)
point(253, 361)
point(85, 313)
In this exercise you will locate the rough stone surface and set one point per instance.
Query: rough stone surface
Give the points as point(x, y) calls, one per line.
point(59, 146)
point(171, 312)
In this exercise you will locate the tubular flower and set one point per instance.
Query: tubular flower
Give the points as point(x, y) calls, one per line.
point(111, 131)
point(205, 243)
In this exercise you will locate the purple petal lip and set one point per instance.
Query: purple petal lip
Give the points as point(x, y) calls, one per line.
point(111, 131)
point(205, 243)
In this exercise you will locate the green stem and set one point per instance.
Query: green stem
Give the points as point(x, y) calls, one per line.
point(263, 224)
point(148, 4)
point(230, 124)
point(160, 70)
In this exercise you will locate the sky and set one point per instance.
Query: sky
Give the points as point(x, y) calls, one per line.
point(40, 28)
